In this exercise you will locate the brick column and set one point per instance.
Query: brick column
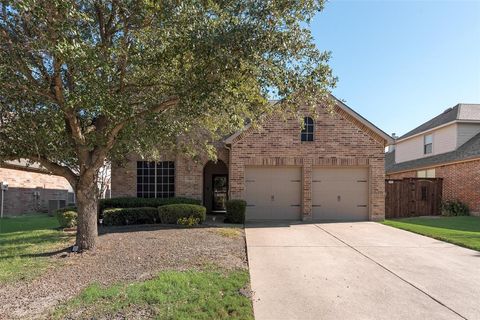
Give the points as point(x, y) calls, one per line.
point(307, 189)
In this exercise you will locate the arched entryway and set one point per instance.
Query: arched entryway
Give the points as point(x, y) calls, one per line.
point(215, 186)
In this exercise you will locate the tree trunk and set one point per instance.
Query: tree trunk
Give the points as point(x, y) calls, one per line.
point(87, 206)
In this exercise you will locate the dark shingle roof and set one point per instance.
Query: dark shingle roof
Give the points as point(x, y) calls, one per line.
point(469, 150)
point(461, 111)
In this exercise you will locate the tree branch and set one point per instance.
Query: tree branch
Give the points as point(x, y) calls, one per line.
point(100, 153)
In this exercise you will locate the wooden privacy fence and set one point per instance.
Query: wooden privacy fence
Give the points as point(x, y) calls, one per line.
point(413, 197)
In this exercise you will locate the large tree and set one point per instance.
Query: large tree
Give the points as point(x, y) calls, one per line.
point(85, 81)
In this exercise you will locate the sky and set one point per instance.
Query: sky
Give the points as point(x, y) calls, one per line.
point(400, 63)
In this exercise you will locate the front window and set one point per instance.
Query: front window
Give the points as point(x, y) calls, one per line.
point(307, 131)
point(427, 144)
point(155, 179)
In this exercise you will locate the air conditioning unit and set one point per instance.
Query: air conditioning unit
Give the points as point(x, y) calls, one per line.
point(54, 205)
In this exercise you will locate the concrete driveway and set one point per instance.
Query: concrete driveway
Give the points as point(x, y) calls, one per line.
point(361, 270)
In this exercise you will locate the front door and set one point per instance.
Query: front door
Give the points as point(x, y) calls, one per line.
point(220, 191)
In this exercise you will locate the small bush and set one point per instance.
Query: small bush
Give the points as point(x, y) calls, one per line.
point(235, 211)
point(132, 202)
point(455, 208)
point(188, 222)
point(67, 217)
point(127, 216)
point(173, 212)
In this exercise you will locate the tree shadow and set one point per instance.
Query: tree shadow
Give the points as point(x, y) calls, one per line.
point(39, 254)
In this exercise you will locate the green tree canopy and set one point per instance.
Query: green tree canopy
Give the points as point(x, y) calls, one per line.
point(83, 81)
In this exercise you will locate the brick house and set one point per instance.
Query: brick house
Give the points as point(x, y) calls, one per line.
point(332, 169)
point(448, 147)
point(33, 189)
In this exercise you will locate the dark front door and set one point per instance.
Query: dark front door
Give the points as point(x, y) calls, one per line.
point(220, 191)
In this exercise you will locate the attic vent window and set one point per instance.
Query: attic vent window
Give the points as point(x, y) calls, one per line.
point(427, 144)
point(307, 131)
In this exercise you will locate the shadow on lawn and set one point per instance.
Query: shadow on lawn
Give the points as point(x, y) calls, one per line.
point(38, 255)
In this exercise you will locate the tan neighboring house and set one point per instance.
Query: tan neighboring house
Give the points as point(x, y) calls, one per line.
point(448, 147)
point(332, 169)
point(32, 189)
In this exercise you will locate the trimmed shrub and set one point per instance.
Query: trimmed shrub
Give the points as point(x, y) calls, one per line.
point(67, 217)
point(455, 208)
point(132, 202)
point(235, 211)
point(171, 213)
point(127, 216)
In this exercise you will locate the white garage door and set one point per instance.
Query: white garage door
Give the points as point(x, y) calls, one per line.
point(273, 193)
point(340, 194)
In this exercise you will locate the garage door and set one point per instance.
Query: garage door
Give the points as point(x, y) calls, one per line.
point(273, 193)
point(340, 194)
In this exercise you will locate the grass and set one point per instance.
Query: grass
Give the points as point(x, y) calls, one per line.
point(462, 231)
point(25, 243)
point(228, 232)
point(171, 295)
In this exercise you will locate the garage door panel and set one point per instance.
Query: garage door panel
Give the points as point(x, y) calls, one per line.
point(340, 194)
point(273, 193)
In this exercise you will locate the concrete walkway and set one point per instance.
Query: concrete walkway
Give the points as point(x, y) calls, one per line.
point(361, 270)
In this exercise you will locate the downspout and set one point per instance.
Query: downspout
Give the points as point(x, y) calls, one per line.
point(229, 148)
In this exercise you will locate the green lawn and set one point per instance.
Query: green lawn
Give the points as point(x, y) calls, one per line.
point(25, 243)
point(171, 295)
point(462, 231)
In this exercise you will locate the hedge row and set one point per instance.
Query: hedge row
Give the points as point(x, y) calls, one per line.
point(126, 216)
point(132, 202)
point(167, 214)
point(172, 212)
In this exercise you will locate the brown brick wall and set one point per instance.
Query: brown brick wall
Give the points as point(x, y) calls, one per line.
point(339, 141)
point(188, 175)
point(461, 181)
point(30, 191)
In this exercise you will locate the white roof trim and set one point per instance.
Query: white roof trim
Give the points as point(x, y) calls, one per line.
point(436, 128)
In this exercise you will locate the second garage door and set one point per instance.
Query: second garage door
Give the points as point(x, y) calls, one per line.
point(273, 193)
point(340, 194)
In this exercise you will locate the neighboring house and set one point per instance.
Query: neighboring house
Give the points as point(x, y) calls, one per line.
point(333, 169)
point(32, 189)
point(448, 147)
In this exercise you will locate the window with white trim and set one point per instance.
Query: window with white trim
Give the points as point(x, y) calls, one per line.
point(155, 179)
point(427, 144)
point(307, 130)
point(430, 173)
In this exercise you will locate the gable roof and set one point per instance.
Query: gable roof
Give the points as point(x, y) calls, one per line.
point(468, 151)
point(460, 112)
point(388, 139)
point(362, 120)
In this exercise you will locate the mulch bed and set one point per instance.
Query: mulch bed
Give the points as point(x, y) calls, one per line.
point(123, 254)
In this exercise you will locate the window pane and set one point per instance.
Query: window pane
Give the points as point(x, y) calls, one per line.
point(428, 139)
point(430, 173)
point(307, 130)
point(427, 149)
